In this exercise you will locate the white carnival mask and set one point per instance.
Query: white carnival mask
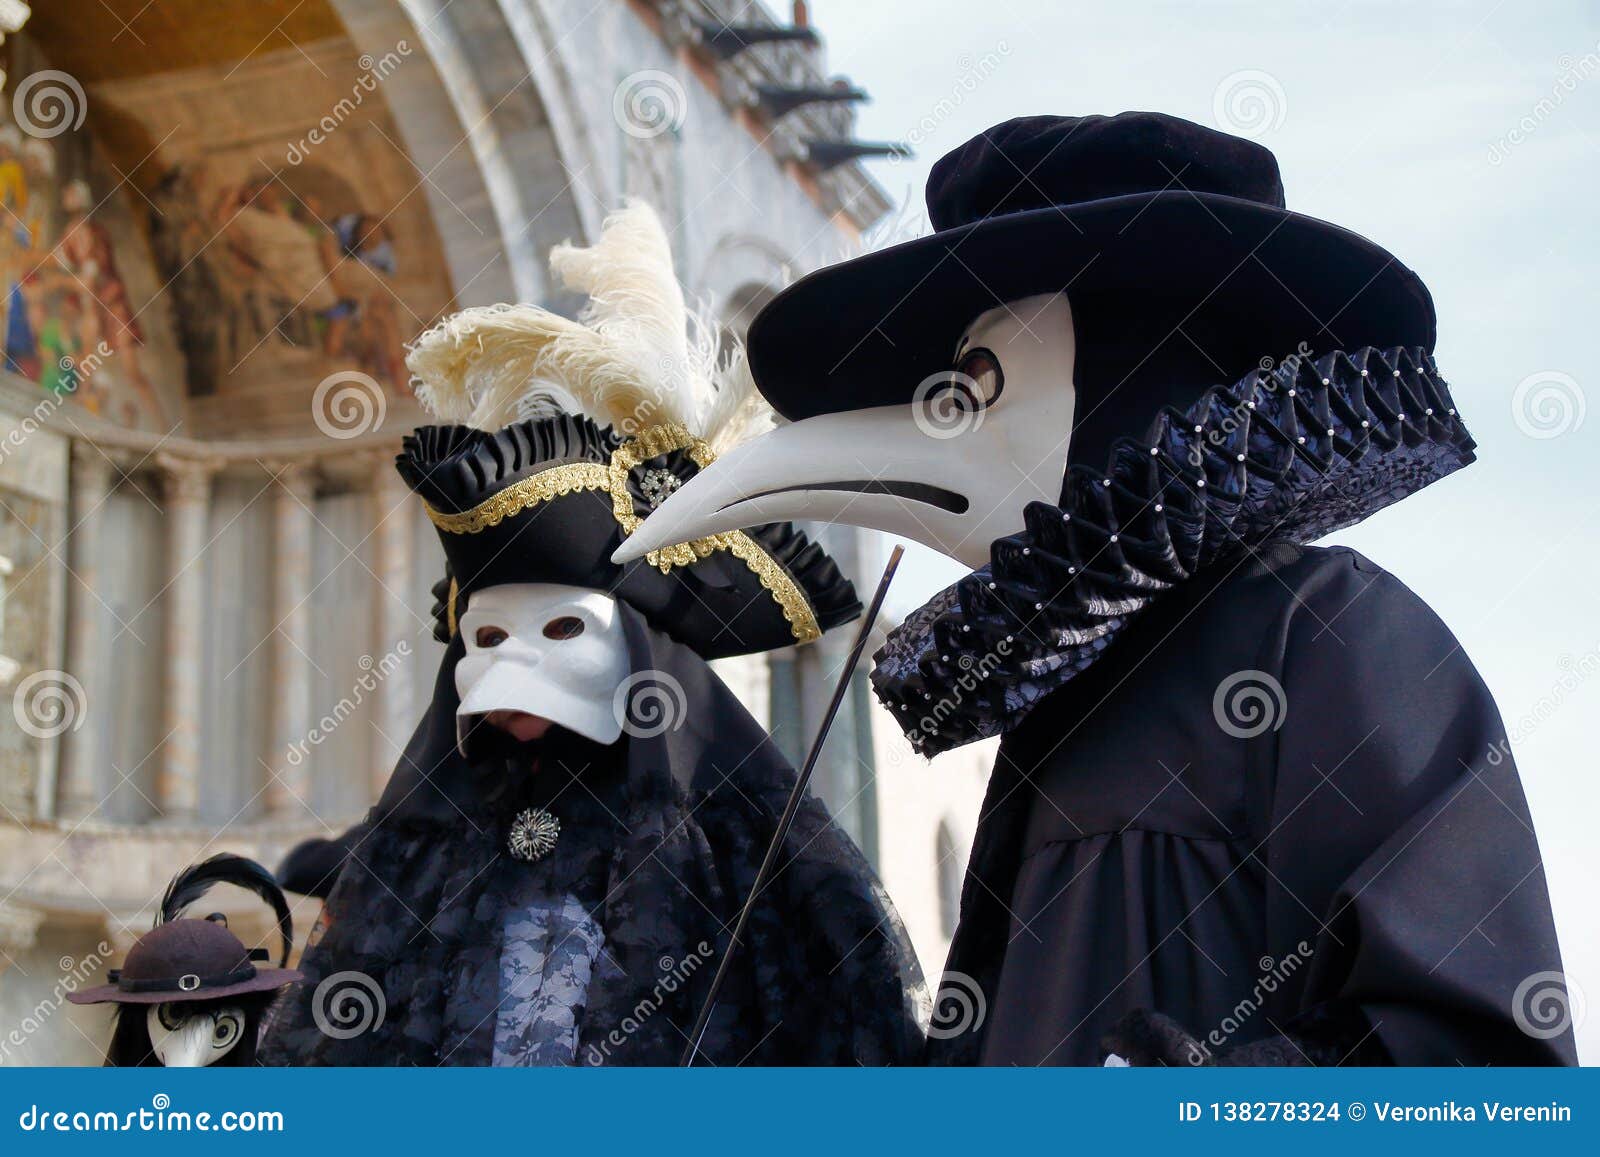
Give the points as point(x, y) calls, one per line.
point(556, 652)
point(953, 469)
point(191, 1037)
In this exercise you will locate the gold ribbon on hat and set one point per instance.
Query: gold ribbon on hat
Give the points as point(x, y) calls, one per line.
point(612, 478)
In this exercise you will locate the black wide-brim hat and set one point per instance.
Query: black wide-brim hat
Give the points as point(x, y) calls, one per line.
point(1137, 204)
point(549, 500)
point(186, 960)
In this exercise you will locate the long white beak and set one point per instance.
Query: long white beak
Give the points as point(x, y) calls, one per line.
point(887, 469)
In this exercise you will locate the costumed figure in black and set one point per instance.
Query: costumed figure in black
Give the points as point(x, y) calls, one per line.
point(190, 993)
point(552, 874)
point(1252, 804)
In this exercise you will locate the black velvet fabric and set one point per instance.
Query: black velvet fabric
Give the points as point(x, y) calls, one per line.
point(1347, 875)
point(661, 838)
point(1182, 218)
point(1073, 159)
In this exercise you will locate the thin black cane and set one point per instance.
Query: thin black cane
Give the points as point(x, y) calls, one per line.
point(793, 806)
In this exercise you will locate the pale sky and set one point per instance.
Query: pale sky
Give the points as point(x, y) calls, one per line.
point(1464, 137)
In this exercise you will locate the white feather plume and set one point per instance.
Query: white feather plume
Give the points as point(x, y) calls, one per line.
point(637, 356)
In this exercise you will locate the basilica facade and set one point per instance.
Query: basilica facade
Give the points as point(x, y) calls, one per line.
point(223, 220)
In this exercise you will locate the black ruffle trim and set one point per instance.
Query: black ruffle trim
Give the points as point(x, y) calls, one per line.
point(455, 468)
point(1291, 452)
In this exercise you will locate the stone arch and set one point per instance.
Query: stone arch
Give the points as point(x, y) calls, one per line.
point(493, 149)
point(739, 262)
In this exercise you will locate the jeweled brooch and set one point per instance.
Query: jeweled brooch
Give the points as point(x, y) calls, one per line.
point(658, 485)
point(533, 835)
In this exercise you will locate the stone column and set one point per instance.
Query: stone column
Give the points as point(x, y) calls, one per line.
point(80, 790)
point(397, 626)
point(288, 790)
point(19, 931)
point(188, 504)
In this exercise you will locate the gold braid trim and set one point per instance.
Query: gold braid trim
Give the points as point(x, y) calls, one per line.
point(785, 591)
point(517, 497)
point(613, 478)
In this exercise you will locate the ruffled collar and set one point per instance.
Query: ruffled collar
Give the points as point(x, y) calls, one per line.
point(1290, 452)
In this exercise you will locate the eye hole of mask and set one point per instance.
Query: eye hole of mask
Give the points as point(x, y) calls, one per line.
point(225, 1031)
point(566, 627)
point(490, 637)
point(979, 376)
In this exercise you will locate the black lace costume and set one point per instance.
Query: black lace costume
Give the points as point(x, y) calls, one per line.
point(661, 836)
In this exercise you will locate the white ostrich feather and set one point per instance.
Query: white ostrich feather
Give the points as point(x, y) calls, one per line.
point(637, 356)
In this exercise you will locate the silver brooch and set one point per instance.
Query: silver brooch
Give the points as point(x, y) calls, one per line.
point(533, 835)
point(657, 486)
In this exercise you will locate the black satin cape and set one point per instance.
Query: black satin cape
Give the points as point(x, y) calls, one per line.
point(661, 839)
point(1349, 875)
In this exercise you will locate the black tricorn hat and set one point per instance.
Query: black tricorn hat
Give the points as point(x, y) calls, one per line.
point(548, 500)
point(1138, 203)
point(183, 959)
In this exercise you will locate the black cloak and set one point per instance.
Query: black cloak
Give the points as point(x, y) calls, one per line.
point(661, 837)
point(1253, 805)
point(1276, 823)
